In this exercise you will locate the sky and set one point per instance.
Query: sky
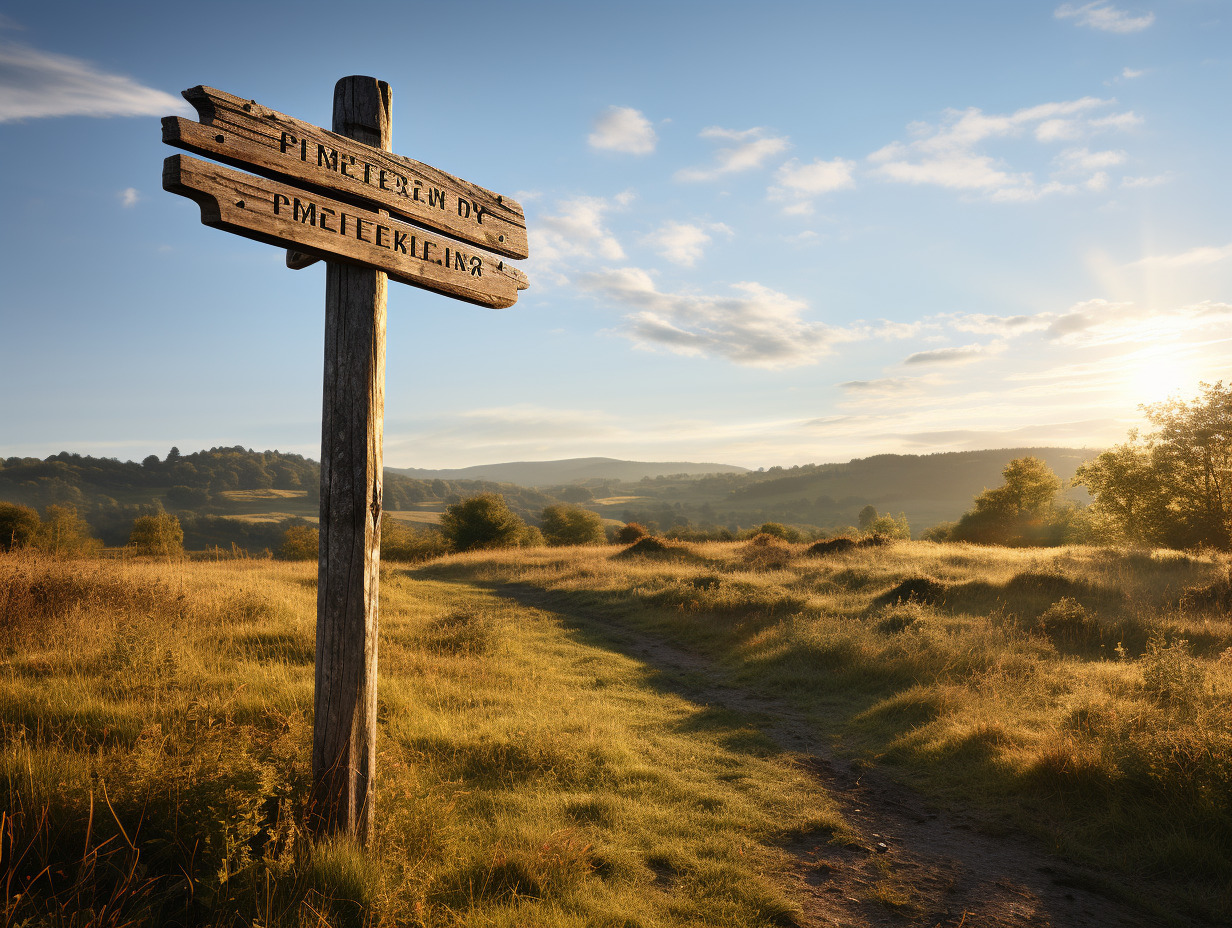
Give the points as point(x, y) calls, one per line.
point(761, 234)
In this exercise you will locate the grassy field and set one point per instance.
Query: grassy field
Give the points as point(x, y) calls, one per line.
point(539, 766)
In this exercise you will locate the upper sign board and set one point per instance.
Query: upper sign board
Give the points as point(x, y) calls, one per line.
point(279, 214)
point(247, 135)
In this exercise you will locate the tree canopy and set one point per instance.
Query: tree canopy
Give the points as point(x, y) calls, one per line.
point(563, 524)
point(1019, 512)
point(483, 521)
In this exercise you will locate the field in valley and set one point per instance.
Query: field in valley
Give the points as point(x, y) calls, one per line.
point(722, 733)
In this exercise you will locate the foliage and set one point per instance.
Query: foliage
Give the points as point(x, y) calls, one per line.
point(402, 543)
point(300, 542)
point(483, 521)
point(564, 524)
point(63, 533)
point(1019, 512)
point(867, 516)
point(888, 526)
point(1173, 487)
point(19, 526)
point(630, 532)
point(159, 534)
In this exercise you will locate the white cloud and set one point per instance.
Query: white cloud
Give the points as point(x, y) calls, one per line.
point(36, 84)
point(683, 243)
point(1153, 180)
point(756, 326)
point(622, 128)
point(751, 150)
point(129, 197)
point(576, 230)
point(964, 354)
point(1129, 73)
point(1104, 16)
point(951, 154)
point(797, 184)
point(1195, 257)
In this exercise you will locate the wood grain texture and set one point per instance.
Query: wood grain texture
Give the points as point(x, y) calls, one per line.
point(279, 214)
point(352, 433)
point(245, 134)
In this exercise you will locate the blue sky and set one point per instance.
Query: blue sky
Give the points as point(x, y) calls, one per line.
point(760, 234)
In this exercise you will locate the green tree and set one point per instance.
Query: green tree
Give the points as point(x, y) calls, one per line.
point(563, 524)
point(868, 515)
point(1019, 512)
point(159, 535)
point(888, 525)
point(1173, 487)
point(65, 534)
point(483, 521)
point(299, 543)
point(19, 526)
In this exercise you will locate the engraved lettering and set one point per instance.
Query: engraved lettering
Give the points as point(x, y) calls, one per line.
point(327, 157)
point(400, 242)
point(381, 180)
point(342, 225)
point(436, 197)
point(476, 266)
point(359, 229)
point(399, 184)
point(479, 213)
point(280, 196)
point(379, 229)
point(459, 261)
point(303, 150)
point(415, 195)
point(342, 164)
point(325, 210)
point(309, 212)
point(287, 141)
point(464, 208)
point(367, 173)
point(427, 245)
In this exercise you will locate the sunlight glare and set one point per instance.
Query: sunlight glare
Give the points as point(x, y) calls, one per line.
point(1157, 376)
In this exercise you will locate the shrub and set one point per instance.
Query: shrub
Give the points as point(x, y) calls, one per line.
point(19, 526)
point(159, 535)
point(483, 521)
point(64, 533)
point(564, 524)
point(631, 532)
point(400, 542)
point(301, 543)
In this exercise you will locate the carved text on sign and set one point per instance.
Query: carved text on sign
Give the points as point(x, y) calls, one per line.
point(326, 228)
point(247, 135)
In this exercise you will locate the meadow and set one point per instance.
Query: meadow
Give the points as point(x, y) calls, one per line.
point(610, 736)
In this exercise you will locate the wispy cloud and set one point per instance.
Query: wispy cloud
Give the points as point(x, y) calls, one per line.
point(798, 184)
point(129, 197)
point(953, 152)
point(964, 354)
point(684, 243)
point(751, 149)
point(1105, 17)
point(575, 230)
point(37, 84)
point(1195, 257)
point(755, 326)
point(622, 128)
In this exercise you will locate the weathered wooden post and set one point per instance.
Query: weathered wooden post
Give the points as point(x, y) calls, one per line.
point(344, 197)
point(348, 571)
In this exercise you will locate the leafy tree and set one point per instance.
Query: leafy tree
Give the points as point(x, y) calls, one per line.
point(563, 524)
point(779, 530)
point(300, 543)
point(64, 533)
point(1175, 486)
point(1019, 512)
point(888, 525)
point(400, 542)
point(867, 516)
point(159, 534)
point(19, 526)
point(483, 521)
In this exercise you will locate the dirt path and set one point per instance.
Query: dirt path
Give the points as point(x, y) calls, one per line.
point(913, 864)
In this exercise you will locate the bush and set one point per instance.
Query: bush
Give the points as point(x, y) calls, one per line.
point(19, 526)
point(159, 535)
point(483, 521)
point(400, 542)
point(631, 532)
point(564, 524)
point(65, 534)
point(300, 543)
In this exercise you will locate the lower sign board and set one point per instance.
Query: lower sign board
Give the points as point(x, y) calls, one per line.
point(277, 214)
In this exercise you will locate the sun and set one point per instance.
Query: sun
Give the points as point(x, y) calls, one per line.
point(1157, 376)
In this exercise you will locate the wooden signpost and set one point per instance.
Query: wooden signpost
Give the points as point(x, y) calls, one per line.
point(344, 197)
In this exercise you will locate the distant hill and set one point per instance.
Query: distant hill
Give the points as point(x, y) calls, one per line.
point(570, 470)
